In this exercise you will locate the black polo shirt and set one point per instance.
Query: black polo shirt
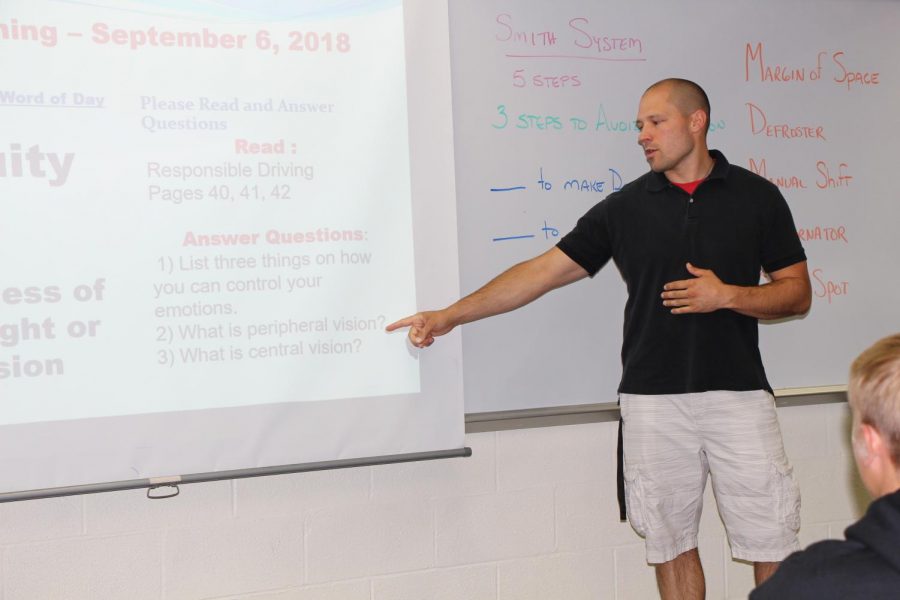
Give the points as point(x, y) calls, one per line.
point(736, 223)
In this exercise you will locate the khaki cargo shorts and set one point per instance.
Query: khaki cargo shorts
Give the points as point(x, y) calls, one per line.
point(671, 443)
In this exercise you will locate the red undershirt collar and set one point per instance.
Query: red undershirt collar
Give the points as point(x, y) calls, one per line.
point(690, 186)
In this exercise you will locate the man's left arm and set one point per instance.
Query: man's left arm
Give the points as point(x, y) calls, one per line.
point(788, 293)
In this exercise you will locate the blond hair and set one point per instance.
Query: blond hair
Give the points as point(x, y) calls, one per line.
point(874, 391)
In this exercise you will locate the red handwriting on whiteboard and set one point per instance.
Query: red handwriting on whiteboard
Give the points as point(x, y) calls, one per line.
point(850, 77)
point(755, 64)
point(580, 41)
point(753, 56)
point(787, 182)
point(603, 43)
point(832, 178)
point(823, 234)
point(759, 125)
point(522, 78)
point(506, 33)
point(828, 289)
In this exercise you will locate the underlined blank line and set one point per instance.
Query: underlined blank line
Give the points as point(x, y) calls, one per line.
point(576, 57)
point(512, 237)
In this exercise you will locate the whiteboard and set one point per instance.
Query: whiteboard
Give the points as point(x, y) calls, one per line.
point(545, 93)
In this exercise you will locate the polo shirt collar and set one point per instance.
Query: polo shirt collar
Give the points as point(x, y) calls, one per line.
point(658, 181)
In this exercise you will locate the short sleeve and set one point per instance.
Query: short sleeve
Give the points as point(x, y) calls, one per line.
point(589, 244)
point(781, 245)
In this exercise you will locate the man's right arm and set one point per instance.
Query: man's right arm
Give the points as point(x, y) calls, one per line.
point(515, 287)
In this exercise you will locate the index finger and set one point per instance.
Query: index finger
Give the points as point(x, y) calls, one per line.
point(405, 322)
point(677, 285)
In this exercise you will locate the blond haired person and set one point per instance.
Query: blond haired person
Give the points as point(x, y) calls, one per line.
point(866, 564)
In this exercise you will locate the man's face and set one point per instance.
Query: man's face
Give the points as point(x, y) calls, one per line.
point(665, 133)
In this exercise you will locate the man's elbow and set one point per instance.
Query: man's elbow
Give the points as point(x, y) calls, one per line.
point(803, 307)
point(804, 302)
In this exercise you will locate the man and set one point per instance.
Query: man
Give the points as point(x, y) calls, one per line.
point(689, 239)
point(867, 564)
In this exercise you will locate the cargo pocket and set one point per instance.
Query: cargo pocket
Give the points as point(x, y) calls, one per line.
point(634, 501)
point(788, 496)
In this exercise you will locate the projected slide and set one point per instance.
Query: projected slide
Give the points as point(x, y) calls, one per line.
point(205, 205)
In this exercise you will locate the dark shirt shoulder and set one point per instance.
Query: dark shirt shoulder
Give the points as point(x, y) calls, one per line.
point(831, 570)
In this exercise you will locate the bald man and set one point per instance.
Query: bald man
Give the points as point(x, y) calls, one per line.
point(867, 563)
point(689, 238)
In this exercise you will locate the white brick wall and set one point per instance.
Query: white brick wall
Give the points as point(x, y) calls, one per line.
point(530, 516)
point(124, 566)
point(232, 556)
point(472, 583)
point(347, 542)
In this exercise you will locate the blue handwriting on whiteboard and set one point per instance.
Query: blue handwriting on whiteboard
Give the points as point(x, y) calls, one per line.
point(595, 185)
point(513, 237)
point(547, 230)
point(585, 184)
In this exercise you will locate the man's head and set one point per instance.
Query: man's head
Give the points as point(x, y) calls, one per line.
point(874, 395)
point(673, 119)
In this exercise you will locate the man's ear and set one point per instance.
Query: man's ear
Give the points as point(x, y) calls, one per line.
point(698, 120)
point(871, 442)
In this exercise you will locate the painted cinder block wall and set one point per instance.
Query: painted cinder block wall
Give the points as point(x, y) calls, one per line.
point(531, 515)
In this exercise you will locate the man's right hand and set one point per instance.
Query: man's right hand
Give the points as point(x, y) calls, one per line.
point(515, 287)
point(424, 326)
